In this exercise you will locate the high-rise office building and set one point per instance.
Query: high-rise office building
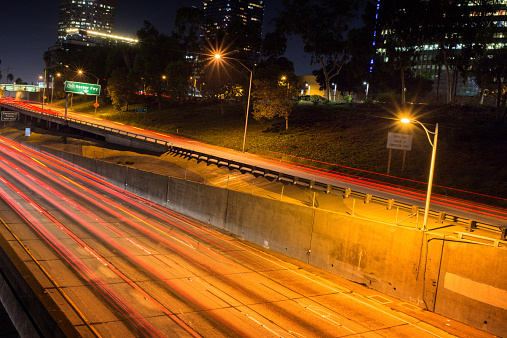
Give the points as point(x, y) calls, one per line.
point(428, 61)
point(83, 24)
point(86, 15)
point(220, 12)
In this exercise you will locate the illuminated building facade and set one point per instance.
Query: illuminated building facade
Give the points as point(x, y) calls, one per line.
point(220, 12)
point(88, 23)
point(427, 54)
point(86, 15)
point(83, 24)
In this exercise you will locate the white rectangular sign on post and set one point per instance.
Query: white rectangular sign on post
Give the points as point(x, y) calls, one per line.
point(399, 141)
point(9, 116)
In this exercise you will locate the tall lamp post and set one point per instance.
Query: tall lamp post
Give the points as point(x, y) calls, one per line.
point(53, 85)
point(44, 86)
point(218, 57)
point(44, 90)
point(80, 72)
point(432, 166)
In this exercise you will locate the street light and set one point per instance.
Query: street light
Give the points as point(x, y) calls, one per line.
point(284, 80)
point(44, 84)
point(163, 85)
point(80, 72)
point(367, 87)
point(44, 90)
point(432, 166)
point(53, 86)
point(218, 57)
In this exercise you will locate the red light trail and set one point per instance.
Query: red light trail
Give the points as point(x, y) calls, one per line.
point(153, 272)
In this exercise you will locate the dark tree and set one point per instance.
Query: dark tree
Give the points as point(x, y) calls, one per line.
point(189, 24)
point(491, 76)
point(178, 75)
point(273, 45)
point(155, 52)
point(401, 27)
point(121, 87)
point(274, 69)
point(323, 26)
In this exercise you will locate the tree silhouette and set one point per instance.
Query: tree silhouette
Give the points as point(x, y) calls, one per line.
point(323, 26)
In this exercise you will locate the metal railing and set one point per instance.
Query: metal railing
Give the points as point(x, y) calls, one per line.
point(470, 224)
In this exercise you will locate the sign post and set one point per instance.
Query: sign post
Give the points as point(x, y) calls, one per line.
point(83, 89)
point(9, 116)
point(401, 142)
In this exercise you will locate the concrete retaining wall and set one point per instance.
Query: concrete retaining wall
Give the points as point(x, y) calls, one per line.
point(458, 279)
point(205, 203)
point(382, 256)
point(472, 285)
point(31, 310)
point(281, 227)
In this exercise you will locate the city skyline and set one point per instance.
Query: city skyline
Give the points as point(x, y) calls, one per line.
point(31, 31)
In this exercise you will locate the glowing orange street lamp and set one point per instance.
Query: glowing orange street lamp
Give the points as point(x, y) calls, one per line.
point(80, 72)
point(432, 166)
point(218, 57)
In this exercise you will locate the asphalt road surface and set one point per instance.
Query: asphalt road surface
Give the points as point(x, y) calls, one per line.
point(117, 265)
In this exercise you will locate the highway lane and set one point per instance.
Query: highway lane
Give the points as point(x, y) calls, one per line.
point(469, 210)
point(128, 267)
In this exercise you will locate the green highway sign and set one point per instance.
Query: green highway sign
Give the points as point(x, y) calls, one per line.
point(82, 88)
point(141, 109)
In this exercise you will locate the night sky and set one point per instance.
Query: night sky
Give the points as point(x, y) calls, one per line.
point(30, 27)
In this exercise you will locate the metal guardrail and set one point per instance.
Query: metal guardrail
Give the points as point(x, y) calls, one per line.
point(470, 224)
point(347, 192)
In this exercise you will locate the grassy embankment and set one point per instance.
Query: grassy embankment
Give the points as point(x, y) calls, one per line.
point(471, 152)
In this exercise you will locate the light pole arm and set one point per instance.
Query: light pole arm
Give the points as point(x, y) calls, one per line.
point(241, 63)
point(430, 132)
point(94, 77)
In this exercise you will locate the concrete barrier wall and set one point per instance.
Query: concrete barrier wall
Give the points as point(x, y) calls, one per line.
point(32, 311)
point(205, 203)
point(472, 285)
point(459, 279)
point(381, 256)
point(281, 227)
